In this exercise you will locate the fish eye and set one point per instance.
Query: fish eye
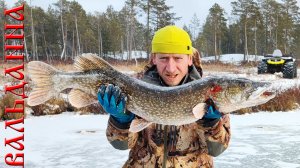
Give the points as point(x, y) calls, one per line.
point(246, 85)
point(242, 84)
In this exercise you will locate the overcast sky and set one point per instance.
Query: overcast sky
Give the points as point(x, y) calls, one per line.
point(183, 8)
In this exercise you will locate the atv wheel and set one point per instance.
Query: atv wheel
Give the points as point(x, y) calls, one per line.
point(262, 67)
point(288, 70)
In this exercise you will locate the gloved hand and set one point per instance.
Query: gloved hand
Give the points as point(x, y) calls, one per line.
point(212, 112)
point(113, 102)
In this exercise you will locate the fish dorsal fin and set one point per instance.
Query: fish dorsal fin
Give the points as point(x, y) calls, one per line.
point(90, 61)
point(138, 125)
point(79, 98)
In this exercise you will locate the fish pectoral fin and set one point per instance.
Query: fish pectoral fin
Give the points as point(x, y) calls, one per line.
point(199, 110)
point(138, 125)
point(79, 98)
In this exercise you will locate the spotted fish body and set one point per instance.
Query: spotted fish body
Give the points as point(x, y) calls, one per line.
point(176, 105)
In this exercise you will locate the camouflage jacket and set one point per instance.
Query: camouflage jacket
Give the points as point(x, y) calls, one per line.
point(191, 145)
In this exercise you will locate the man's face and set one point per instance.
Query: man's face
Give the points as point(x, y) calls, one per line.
point(172, 68)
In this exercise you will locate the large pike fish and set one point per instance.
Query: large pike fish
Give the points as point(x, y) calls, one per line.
point(176, 105)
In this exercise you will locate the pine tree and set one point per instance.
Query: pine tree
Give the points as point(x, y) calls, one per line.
point(255, 29)
point(234, 38)
point(51, 27)
point(114, 29)
point(214, 29)
point(158, 15)
point(272, 18)
point(194, 27)
point(244, 9)
point(296, 50)
point(290, 18)
point(130, 18)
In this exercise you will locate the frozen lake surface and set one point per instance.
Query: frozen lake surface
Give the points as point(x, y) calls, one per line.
point(69, 140)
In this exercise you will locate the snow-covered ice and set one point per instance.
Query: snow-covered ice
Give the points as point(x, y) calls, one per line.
point(263, 140)
point(69, 140)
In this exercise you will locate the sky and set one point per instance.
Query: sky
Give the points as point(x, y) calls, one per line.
point(183, 8)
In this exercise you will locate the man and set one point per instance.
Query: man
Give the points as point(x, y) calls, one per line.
point(191, 145)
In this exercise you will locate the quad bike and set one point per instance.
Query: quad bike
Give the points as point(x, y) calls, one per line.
point(277, 62)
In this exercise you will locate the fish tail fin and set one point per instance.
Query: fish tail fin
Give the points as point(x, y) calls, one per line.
point(42, 76)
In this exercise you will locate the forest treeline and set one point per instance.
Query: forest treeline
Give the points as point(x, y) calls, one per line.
point(65, 29)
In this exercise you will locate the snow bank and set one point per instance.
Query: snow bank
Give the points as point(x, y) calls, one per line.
point(124, 56)
point(233, 58)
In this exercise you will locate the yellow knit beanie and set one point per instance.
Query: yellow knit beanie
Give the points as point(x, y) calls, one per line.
point(171, 40)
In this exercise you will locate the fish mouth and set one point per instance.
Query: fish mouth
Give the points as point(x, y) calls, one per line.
point(263, 94)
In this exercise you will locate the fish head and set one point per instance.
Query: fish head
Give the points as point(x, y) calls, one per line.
point(240, 93)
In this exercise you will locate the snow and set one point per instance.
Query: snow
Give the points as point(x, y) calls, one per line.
point(66, 140)
point(232, 58)
point(124, 55)
point(264, 140)
point(70, 140)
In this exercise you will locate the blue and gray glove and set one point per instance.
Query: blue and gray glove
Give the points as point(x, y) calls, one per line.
point(113, 102)
point(212, 112)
